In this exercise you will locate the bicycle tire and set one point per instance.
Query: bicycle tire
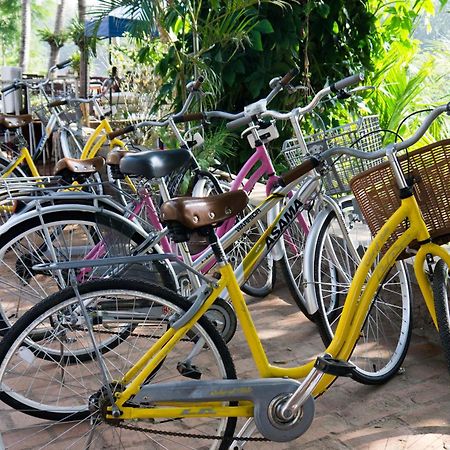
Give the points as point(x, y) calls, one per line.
point(39, 390)
point(292, 267)
point(74, 234)
point(377, 355)
point(440, 293)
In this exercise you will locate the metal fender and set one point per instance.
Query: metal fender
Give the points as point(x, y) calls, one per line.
point(308, 269)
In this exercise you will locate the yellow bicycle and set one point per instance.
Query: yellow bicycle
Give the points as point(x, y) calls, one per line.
point(170, 375)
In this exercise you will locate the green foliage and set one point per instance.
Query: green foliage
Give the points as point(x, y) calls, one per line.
point(328, 39)
point(403, 79)
point(56, 39)
point(240, 45)
point(10, 34)
point(219, 145)
point(190, 29)
point(10, 26)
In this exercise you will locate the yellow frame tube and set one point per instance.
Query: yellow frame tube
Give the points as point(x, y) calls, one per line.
point(24, 156)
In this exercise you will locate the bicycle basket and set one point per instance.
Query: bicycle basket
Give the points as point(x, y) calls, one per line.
point(43, 114)
point(378, 195)
point(336, 181)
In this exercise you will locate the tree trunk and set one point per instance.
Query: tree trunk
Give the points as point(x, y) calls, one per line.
point(84, 69)
point(26, 32)
point(54, 50)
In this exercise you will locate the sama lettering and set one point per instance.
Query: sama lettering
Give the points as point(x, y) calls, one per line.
point(285, 220)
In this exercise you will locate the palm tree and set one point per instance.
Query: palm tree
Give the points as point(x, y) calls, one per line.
point(84, 70)
point(26, 33)
point(59, 37)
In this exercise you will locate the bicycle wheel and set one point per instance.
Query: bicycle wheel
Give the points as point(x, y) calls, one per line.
point(386, 333)
point(67, 400)
point(261, 281)
point(63, 236)
point(440, 293)
point(292, 266)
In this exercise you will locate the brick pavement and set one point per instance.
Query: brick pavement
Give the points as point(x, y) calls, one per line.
point(412, 411)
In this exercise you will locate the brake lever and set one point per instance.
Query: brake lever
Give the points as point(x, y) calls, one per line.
point(293, 89)
point(343, 94)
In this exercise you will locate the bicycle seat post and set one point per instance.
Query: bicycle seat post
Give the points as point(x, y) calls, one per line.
point(216, 246)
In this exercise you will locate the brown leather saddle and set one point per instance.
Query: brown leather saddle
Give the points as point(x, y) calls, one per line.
point(83, 167)
point(197, 212)
point(12, 122)
point(115, 155)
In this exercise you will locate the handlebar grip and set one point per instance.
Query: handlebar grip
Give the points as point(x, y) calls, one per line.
point(346, 82)
point(239, 122)
point(189, 117)
point(11, 87)
point(120, 131)
point(58, 103)
point(289, 76)
point(63, 64)
point(299, 171)
point(198, 83)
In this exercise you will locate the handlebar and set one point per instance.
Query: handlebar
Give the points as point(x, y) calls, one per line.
point(56, 103)
point(334, 87)
point(198, 84)
point(189, 117)
point(424, 127)
point(239, 122)
point(63, 64)
point(289, 76)
point(121, 131)
point(36, 84)
point(313, 161)
point(346, 82)
point(391, 147)
point(12, 87)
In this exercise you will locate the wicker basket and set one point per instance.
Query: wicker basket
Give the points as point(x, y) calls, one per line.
point(337, 180)
point(378, 195)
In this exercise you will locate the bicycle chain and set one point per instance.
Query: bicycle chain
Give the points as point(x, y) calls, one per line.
point(186, 435)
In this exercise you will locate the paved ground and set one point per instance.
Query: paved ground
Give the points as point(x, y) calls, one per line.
point(410, 412)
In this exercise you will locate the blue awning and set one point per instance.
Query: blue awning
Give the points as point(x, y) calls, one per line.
point(115, 24)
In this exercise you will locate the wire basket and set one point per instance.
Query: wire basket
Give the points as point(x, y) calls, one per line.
point(366, 133)
point(43, 114)
point(378, 194)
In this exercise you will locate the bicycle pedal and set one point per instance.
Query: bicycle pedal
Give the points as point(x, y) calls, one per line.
point(188, 370)
point(332, 366)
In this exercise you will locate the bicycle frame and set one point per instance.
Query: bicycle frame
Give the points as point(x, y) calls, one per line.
point(355, 310)
point(98, 138)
